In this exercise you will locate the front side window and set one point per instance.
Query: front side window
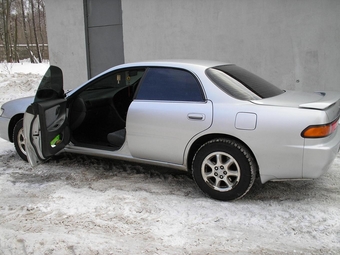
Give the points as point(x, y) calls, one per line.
point(117, 80)
point(170, 84)
point(51, 85)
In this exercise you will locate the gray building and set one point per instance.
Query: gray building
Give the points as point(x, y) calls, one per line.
point(294, 44)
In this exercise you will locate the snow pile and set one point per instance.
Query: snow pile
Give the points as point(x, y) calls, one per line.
point(20, 79)
point(76, 204)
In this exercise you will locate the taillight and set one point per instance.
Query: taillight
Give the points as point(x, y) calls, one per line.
point(319, 131)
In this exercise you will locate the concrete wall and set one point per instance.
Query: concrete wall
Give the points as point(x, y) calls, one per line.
point(295, 44)
point(66, 39)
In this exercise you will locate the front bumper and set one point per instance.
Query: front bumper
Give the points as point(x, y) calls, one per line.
point(4, 123)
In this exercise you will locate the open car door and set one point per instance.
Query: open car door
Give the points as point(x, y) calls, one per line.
point(46, 127)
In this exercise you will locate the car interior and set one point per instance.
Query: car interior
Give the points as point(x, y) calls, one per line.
point(98, 112)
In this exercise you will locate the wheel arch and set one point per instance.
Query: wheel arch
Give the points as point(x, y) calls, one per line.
point(11, 125)
point(208, 137)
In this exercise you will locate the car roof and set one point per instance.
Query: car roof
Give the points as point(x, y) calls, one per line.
point(173, 63)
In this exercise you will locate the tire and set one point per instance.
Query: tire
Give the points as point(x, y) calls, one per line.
point(224, 169)
point(19, 140)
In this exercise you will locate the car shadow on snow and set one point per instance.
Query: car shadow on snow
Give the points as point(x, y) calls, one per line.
point(102, 174)
point(281, 191)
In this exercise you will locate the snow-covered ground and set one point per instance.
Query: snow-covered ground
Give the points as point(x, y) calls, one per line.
point(84, 205)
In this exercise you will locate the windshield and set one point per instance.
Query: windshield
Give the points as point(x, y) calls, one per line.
point(241, 84)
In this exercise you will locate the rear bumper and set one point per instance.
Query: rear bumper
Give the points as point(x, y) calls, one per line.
point(4, 123)
point(319, 154)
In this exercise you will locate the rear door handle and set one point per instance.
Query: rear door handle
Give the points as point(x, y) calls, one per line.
point(196, 116)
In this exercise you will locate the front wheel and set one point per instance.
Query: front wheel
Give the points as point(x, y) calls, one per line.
point(224, 169)
point(19, 139)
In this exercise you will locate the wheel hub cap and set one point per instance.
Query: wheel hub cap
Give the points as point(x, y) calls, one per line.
point(221, 171)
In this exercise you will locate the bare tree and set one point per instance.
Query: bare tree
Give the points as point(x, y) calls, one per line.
point(22, 22)
point(42, 24)
point(14, 35)
point(5, 8)
point(26, 32)
point(35, 31)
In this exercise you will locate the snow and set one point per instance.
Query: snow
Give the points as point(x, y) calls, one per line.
point(76, 204)
point(20, 79)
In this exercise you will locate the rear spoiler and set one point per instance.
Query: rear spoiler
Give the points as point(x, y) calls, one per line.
point(329, 99)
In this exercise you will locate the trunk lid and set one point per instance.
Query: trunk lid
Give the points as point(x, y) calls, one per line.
point(328, 101)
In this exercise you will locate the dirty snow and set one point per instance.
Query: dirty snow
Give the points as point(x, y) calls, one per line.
point(77, 204)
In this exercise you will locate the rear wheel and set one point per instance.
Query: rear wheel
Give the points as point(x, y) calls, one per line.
point(19, 139)
point(224, 169)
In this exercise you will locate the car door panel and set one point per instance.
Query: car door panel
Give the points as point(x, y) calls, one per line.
point(31, 127)
point(158, 130)
point(45, 120)
point(46, 126)
point(53, 122)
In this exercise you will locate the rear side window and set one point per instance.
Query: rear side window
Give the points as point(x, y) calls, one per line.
point(169, 84)
point(241, 84)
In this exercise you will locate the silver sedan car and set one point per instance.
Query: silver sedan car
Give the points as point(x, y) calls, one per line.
point(220, 122)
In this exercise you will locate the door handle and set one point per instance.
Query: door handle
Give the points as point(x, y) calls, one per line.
point(196, 116)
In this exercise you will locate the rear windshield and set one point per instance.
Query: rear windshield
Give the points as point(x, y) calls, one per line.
point(241, 84)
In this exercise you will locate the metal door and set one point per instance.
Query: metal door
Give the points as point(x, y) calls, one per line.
point(104, 35)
